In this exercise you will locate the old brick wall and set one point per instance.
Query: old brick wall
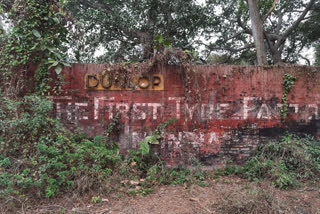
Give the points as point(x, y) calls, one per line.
point(223, 112)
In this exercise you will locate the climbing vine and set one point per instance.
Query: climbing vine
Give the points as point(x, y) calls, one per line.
point(123, 74)
point(288, 82)
point(35, 41)
point(184, 58)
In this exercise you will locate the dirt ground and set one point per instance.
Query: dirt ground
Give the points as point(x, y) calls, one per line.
point(223, 195)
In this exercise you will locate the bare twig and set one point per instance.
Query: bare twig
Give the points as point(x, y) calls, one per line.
point(306, 59)
point(98, 5)
point(269, 12)
point(297, 22)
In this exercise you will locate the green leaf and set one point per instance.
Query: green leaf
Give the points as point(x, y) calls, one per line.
point(53, 64)
point(159, 38)
point(51, 49)
point(166, 43)
point(58, 55)
point(66, 64)
point(98, 139)
point(144, 146)
point(153, 139)
point(194, 53)
point(58, 69)
point(36, 33)
point(56, 20)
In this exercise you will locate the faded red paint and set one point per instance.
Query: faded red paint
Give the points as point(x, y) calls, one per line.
point(223, 112)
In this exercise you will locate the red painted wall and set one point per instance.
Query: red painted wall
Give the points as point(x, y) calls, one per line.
point(223, 112)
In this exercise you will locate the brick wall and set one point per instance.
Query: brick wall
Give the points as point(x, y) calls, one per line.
point(223, 112)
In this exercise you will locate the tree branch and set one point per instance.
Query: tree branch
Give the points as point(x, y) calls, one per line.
point(168, 13)
point(271, 22)
point(240, 23)
point(273, 36)
point(306, 59)
point(100, 5)
point(234, 36)
point(241, 49)
point(311, 16)
point(2, 29)
point(233, 50)
point(269, 12)
point(280, 20)
point(297, 22)
point(97, 5)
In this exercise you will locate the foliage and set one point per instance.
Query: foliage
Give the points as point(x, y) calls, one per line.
point(142, 158)
point(143, 169)
point(311, 31)
point(285, 36)
point(129, 30)
point(35, 40)
point(158, 173)
point(285, 163)
point(96, 199)
point(288, 82)
point(39, 157)
point(112, 130)
point(160, 42)
point(117, 31)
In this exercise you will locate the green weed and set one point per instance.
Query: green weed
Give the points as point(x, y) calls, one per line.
point(285, 163)
point(39, 157)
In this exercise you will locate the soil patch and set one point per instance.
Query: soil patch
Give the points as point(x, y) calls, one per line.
point(221, 195)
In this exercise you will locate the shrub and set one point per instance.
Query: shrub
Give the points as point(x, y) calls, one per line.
point(287, 162)
point(39, 157)
point(143, 164)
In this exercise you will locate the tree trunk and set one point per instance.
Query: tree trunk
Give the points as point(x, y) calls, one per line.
point(276, 57)
point(257, 32)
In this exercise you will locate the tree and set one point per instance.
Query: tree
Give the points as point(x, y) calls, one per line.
point(283, 37)
point(126, 30)
point(257, 31)
point(312, 32)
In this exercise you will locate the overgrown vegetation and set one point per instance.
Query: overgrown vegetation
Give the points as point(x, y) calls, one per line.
point(40, 158)
point(288, 82)
point(35, 41)
point(142, 169)
point(287, 163)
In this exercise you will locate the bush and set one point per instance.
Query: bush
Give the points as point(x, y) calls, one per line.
point(40, 158)
point(143, 165)
point(287, 162)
